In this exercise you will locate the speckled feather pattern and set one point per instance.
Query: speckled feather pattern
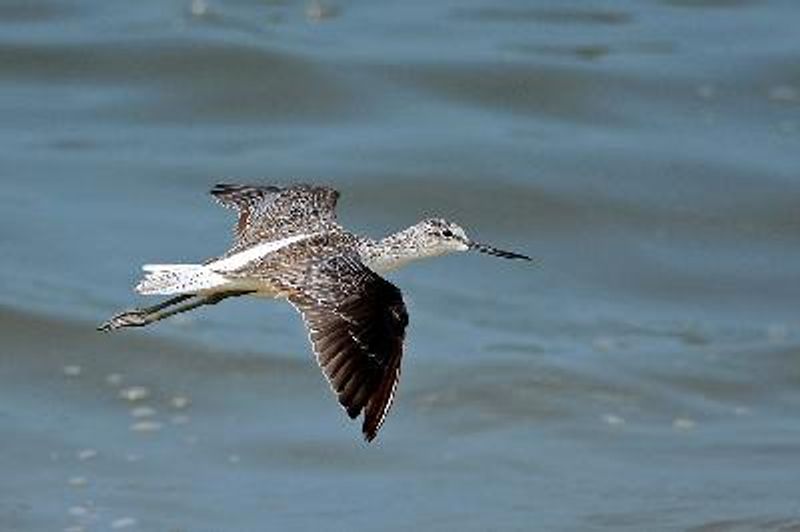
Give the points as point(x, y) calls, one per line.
point(269, 213)
point(287, 243)
point(356, 320)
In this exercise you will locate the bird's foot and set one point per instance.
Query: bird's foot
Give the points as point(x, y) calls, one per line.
point(131, 318)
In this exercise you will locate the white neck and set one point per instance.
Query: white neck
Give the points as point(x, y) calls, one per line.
point(386, 264)
point(395, 251)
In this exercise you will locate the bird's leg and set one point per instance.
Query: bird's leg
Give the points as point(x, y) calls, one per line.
point(142, 316)
point(145, 316)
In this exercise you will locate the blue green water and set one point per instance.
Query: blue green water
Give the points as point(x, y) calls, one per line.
point(643, 377)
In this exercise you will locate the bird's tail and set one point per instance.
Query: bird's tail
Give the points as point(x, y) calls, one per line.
point(169, 279)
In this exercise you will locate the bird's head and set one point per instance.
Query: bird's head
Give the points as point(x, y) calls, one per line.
point(436, 236)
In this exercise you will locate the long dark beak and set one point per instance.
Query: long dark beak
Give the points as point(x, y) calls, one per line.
point(489, 250)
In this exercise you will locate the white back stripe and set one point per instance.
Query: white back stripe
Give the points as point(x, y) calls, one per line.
point(234, 262)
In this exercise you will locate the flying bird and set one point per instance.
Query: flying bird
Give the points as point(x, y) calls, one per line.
point(287, 244)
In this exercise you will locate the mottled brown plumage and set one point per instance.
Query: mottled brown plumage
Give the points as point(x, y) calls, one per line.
point(268, 212)
point(288, 244)
point(356, 320)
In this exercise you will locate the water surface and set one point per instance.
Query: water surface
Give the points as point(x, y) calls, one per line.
point(644, 376)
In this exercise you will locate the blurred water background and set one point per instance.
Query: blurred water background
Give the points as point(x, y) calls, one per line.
point(644, 377)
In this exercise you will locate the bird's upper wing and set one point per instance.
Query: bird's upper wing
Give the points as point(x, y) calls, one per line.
point(268, 212)
point(356, 323)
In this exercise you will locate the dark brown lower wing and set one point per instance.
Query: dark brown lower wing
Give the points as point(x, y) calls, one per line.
point(356, 322)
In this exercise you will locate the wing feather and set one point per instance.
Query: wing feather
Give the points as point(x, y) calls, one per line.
point(356, 322)
point(268, 211)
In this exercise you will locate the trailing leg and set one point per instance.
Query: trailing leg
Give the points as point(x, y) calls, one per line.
point(170, 307)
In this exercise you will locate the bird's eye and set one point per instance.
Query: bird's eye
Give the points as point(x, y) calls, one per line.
point(447, 233)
